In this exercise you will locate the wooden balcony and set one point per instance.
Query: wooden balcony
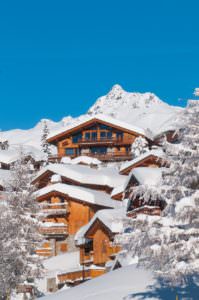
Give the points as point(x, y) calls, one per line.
point(105, 141)
point(54, 209)
point(78, 276)
point(113, 250)
point(54, 230)
point(111, 156)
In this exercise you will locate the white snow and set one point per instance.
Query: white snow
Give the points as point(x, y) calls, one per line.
point(5, 177)
point(85, 160)
point(115, 285)
point(184, 202)
point(62, 263)
point(147, 176)
point(80, 193)
point(86, 175)
point(111, 218)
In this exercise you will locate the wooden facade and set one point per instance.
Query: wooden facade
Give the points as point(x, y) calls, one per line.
point(70, 213)
point(76, 277)
point(99, 247)
point(95, 138)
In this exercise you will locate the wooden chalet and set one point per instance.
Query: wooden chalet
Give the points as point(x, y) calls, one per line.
point(96, 240)
point(152, 158)
point(65, 209)
point(99, 136)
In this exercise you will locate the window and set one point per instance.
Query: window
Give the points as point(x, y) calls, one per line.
point(102, 135)
point(76, 138)
point(94, 136)
point(87, 136)
point(70, 151)
point(98, 150)
point(105, 135)
point(119, 136)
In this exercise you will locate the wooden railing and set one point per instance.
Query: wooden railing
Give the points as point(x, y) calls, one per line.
point(110, 140)
point(56, 230)
point(54, 208)
point(76, 277)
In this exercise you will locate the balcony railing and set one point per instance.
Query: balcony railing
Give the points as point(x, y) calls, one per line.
point(111, 156)
point(111, 140)
point(54, 209)
point(53, 229)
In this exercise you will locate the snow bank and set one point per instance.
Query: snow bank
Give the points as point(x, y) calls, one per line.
point(115, 285)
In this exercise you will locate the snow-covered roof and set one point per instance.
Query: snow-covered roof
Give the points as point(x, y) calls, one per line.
point(157, 153)
point(5, 176)
point(102, 118)
point(11, 155)
point(118, 189)
point(8, 156)
point(62, 263)
point(86, 175)
point(147, 176)
point(111, 218)
point(80, 193)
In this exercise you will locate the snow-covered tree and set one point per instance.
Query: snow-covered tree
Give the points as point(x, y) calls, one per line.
point(19, 230)
point(44, 144)
point(139, 146)
point(169, 244)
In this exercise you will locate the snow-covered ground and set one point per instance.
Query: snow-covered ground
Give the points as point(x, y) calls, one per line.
point(112, 286)
point(124, 284)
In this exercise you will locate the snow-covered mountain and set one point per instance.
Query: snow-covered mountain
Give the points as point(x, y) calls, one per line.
point(143, 110)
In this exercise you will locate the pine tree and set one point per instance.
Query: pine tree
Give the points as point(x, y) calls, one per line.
point(44, 144)
point(19, 230)
point(169, 244)
point(139, 147)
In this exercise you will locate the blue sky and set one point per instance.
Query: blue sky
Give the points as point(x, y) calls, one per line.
point(57, 57)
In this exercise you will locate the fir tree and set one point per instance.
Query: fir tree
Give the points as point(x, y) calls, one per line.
point(169, 244)
point(44, 144)
point(19, 230)
point(139, 147)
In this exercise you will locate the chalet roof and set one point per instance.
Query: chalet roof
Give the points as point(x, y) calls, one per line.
point(118, 189)
point(157, 153)
point(5, 176)
point(8, 156)
point(111, 218)
point(100, 118)
point(85, 175)
point(80, 193)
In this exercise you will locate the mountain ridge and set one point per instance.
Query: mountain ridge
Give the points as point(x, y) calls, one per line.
point(144, 110)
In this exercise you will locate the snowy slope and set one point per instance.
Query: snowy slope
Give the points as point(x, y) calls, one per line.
point(145, 110)
point(116, 285)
